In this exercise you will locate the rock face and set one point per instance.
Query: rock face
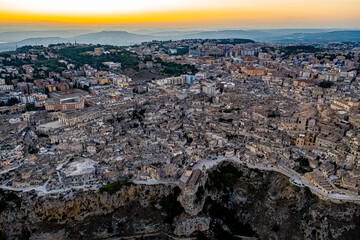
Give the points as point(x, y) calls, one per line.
point(130, 211)
point(235, 201)
point(189, 226)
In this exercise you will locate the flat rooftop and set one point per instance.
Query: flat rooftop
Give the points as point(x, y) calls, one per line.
point(55, 124)
point(71, 93)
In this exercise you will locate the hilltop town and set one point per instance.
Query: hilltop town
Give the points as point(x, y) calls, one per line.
point(77, 117)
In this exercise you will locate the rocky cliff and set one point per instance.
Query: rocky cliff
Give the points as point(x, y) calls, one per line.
point(234, 201)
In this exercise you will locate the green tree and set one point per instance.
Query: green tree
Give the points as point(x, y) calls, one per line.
point(12, 101)
point(8, 80)
point(148, 58)
point(326, 84)
point(30, 107)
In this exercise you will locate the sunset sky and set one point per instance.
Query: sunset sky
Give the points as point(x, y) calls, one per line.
point(183, 13)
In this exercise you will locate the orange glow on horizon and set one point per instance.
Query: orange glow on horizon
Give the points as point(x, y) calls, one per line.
point(171, 18)
point(223, 15)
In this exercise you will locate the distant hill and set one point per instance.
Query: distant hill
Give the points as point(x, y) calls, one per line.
point(119, 38)
point(320, 37)
point(123, 38)
point(256, 35)
point(287, 31)
point(173, 33)
point(16, 36)
point(31, 41)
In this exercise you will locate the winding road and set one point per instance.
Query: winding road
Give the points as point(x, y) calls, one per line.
point(283, 170)
point(203, 164)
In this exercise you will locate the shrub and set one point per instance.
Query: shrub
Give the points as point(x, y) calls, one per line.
point(114, 187)
point(326, 84)
point(171, 205)
point(2, 205)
